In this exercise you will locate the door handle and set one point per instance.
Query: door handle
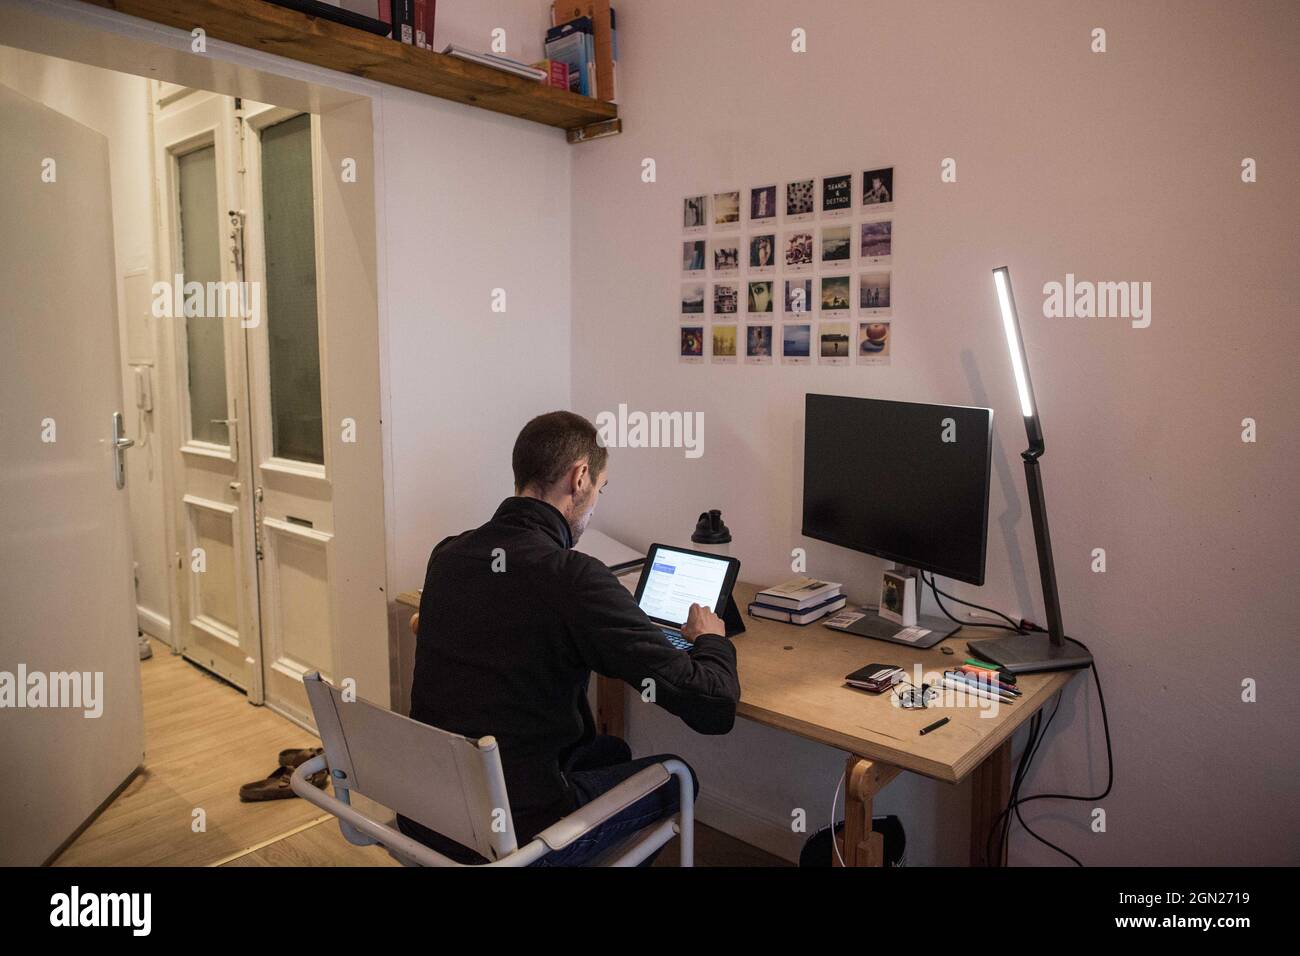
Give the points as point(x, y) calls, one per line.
point(120, 444)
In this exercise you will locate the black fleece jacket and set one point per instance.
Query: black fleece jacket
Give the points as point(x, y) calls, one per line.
point(512, 622)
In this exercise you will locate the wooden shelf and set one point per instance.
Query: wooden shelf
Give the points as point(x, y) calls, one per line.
point(298, 36)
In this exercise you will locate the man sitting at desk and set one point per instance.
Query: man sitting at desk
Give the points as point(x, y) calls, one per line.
point(511, 624)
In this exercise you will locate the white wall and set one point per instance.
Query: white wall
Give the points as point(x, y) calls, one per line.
point(1112, 166)
point(117, 105)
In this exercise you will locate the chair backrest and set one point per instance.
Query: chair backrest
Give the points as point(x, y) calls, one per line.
point(451, 784)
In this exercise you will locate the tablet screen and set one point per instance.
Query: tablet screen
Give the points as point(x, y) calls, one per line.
point(675, 580)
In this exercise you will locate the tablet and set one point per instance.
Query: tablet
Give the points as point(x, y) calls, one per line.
point(672, 579)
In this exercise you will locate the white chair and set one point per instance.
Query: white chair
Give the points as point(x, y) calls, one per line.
point(454, 786)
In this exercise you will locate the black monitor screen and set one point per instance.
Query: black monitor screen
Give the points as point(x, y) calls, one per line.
point(906, 482)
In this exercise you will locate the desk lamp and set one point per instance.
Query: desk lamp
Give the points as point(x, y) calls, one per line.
point(1026, 653)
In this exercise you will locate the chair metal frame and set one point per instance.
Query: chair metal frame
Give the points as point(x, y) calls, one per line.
point(358, 732)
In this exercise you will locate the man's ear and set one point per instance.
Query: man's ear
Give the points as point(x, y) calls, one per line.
point(581, 473)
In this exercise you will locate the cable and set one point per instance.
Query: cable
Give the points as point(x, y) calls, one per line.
point(834, 797)
point(979, 607)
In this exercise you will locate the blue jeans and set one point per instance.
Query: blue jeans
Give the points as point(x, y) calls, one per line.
point(598, 768)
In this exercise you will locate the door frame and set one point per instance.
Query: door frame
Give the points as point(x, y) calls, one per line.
point(354, 354)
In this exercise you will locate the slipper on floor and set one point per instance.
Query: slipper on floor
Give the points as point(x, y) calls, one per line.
point(276, 786)
point(296, 756)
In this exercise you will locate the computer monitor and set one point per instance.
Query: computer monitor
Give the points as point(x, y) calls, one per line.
point(904, 481)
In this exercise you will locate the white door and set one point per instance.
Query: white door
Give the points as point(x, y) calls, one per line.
point(197, 140)
point(65, 543)
point(289, 453)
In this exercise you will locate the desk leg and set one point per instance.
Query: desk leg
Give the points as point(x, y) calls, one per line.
point(609, 707)
point(990, 790)
point(863, 779)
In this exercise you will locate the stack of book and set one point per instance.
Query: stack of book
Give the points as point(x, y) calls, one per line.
point(800, 601)
point(584, 39)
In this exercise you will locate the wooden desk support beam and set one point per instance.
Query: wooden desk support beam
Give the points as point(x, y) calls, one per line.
point(860, 845)
point(990, 790)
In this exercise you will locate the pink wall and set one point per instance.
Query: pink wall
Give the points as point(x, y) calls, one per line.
point(1114, 166)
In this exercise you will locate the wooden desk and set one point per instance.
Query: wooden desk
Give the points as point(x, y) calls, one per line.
point(792, 678)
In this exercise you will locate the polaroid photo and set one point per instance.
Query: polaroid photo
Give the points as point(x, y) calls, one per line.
point(724, 344)
point(873, 294)
point(833, 343)
point(762, 254)
point(692, 298)
point(758, 345)
point(726, 256)
point(878, 189)
point(796, 345)
point(837, 246)
point(726, 299)
point(799, 251)
point(835, 295)
point(876, 244)
point(693, 261)
point(695, 214)
point(760, 298)
point(726, 210)
point(762, 205)
point(692, 344)
point(800, 200)
point(873, 343)
point(798, 298)
point(837, 196)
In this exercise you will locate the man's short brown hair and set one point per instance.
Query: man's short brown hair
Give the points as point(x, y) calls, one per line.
point(550, 445)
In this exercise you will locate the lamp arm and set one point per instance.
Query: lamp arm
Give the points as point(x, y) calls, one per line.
point(1043, 544)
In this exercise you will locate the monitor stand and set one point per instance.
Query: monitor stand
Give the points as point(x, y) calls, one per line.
point(875, 626)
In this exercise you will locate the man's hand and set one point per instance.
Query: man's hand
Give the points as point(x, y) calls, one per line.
point(701, 620)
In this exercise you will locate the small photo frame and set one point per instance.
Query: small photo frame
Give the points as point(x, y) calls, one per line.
point(798, 298)
point(837, 196)
point(693, 258)
point(692, 298)
point(874, 294)
point(759, 298)
point(876, 242)
point(796, 344)
point(873, 343)
point(898, 598)
point(833, 343)
point(726, 209)
point(762, 204)
point(837, 246)
point(878, 188)
point(724, 344)
point(691, 348)
point(798, 247)
point(762, 254)
point(695, 214)
point(725, 254)
point(726, 300)
point(758, 345)
point(836, 296)
point(800, 200)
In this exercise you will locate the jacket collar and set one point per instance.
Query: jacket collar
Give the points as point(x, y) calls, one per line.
point(535, 513)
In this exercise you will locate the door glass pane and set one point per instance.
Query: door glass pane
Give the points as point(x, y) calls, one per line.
point(201, 262)
point(294, 353)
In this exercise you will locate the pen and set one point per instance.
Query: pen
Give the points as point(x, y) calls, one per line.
point(934, 726)
point(981, 684)
point(954, 684)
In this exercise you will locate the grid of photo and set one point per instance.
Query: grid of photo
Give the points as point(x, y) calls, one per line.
point(796, 272)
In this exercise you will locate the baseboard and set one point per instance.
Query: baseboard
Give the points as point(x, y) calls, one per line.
point(772, 834)
point(153, 623)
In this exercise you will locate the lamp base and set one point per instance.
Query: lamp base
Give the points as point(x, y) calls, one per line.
point(1029, 653)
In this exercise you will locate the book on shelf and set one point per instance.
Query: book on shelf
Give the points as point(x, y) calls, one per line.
point(557, 73)
point(798, 593)
point(602, 30)
point(571, 44)
point(503, 63)
point(802, 616)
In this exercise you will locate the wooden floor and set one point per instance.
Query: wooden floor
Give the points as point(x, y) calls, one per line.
point(202, 740)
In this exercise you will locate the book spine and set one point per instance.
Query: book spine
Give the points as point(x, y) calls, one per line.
point(404, 21)
point(423, 37)
point(386, 11)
